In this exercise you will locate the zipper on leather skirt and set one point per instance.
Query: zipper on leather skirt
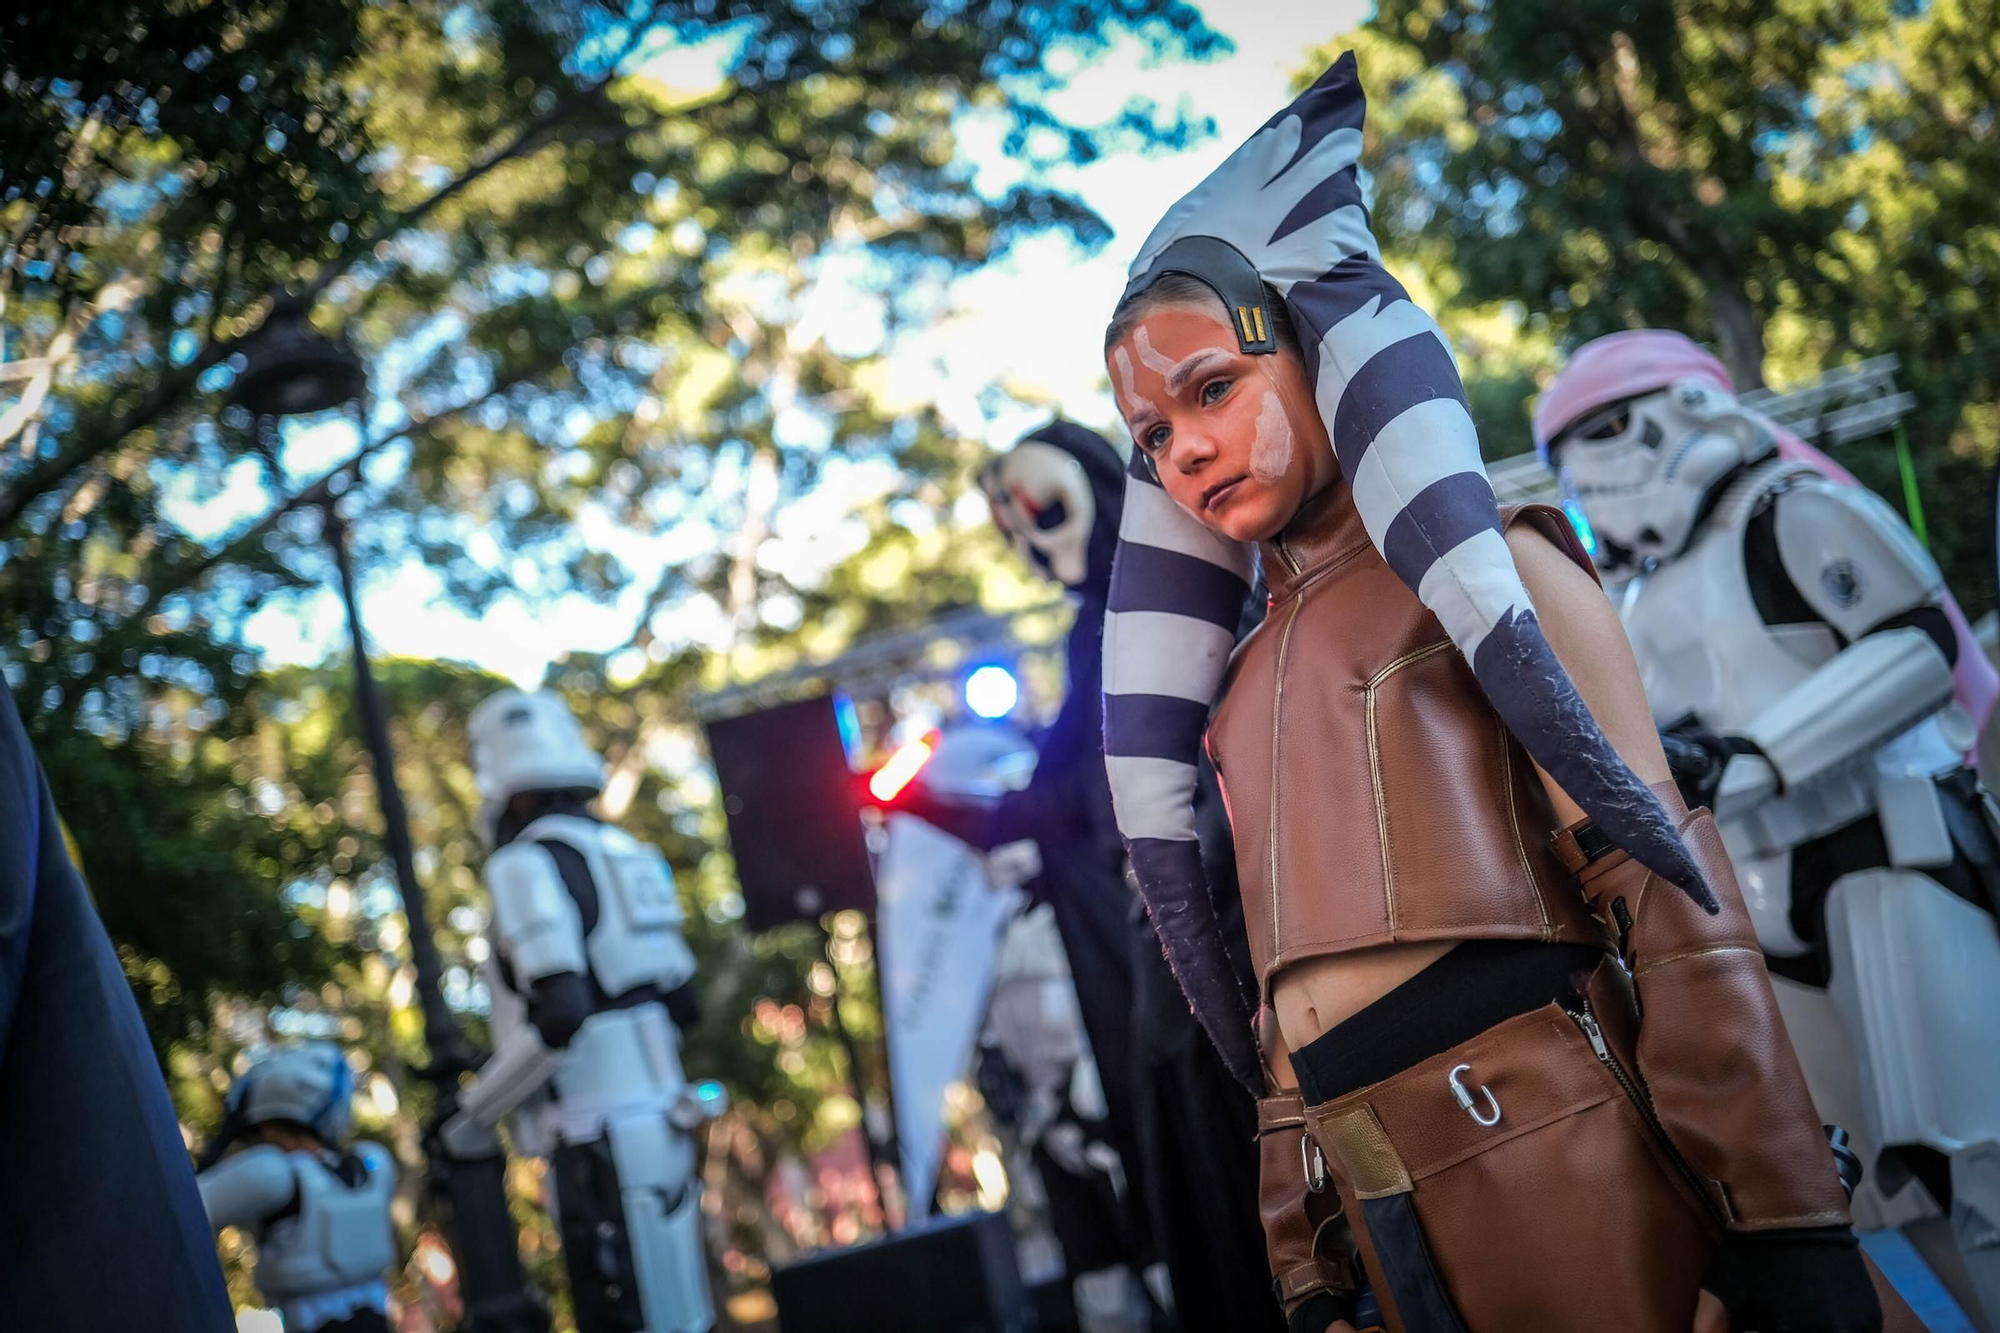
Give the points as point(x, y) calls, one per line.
point(1592, 1033)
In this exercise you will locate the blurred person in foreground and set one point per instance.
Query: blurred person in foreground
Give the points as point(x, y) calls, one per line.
point(1462, 859)
point(105, 1227)
point(1806, 665)
point(318, 1211)
point(592, 985)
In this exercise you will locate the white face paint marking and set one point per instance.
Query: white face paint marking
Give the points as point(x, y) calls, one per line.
point(1131, 400)
point(1271, 453)
point(1177, 373)
point(1149, 358)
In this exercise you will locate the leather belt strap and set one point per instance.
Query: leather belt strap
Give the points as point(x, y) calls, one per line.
point(1282, 1111)
point(1580, 844)
point(1317, 1274)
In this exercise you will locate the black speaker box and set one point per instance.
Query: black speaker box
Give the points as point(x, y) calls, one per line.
point(794, 814)
point(951, 1275)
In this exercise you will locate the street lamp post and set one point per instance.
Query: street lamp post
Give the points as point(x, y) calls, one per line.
point(290, 370)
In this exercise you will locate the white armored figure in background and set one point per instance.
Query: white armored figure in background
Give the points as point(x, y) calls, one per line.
point(592, 983)
point(319, 1212)
point(1796, 650)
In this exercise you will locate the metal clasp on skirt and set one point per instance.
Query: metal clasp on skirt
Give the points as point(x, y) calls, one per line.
point(1465, 1098)
point(1314, 1162)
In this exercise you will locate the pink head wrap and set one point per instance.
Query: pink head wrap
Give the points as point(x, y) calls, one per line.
point(1625, 365)
point(1618, 366)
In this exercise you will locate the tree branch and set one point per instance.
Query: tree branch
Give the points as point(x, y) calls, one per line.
point(182, 577)
point(85, 444)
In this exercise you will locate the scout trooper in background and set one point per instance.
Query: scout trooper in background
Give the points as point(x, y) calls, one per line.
point(592, 983)
point(1795, 648)
point(319, 1212)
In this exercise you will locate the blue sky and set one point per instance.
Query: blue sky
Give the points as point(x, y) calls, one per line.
point(997, 330)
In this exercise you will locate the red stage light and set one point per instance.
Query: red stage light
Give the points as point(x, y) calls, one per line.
point(885, 782)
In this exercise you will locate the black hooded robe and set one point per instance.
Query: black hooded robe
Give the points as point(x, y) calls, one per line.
point(1185, 1129)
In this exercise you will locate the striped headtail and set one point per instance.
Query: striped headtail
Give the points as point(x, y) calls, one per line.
point(1289, 201)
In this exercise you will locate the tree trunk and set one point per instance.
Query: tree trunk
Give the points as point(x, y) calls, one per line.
point(1739, 329)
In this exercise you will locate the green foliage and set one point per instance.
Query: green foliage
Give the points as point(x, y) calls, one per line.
point(608, 290)
point(1797, 184)
point(589, 295)
point(155, 843)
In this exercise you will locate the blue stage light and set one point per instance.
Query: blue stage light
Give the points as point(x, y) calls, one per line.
point(992, 691)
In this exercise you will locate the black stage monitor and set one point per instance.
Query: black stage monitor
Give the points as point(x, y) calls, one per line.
point(794, 816)
point(950, 1275)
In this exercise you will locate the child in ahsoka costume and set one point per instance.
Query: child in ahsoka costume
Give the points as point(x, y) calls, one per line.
point(1452, 818)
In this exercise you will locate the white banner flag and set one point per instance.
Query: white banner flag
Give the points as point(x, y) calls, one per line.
point(938, 924)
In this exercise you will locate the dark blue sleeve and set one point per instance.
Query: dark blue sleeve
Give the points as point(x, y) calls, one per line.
point(22, 801)
point(105, 1225)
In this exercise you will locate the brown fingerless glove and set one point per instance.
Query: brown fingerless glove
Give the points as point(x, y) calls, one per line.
point(1712, 1048)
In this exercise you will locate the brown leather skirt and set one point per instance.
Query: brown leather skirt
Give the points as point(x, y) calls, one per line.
point(1516, 1182)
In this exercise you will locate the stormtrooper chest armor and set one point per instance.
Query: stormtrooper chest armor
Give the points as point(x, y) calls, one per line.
point(626, 1054)
point(1703, 647)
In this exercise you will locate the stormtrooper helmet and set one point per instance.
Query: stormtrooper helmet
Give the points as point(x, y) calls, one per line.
point(309, 1084)
point(1642, 468)
point(527, 742)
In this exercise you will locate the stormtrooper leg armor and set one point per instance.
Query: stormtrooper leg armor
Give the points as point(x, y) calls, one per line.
point(630, 1221)
point(1928, 1054)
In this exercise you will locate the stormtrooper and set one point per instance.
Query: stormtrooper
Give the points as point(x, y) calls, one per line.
point(319, 1213)
point(1797, 646)
point(592, 984)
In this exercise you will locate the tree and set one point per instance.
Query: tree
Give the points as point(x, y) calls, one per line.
point(1796, 184)
point(578, 285)
point(1555, 144)
point(599, 305)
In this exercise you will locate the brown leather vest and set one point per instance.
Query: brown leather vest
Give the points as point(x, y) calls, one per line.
point(1375, 795)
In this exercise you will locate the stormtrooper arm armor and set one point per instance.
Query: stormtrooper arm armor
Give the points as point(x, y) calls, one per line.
point(1871, 693)
point(540, 930)
point(540, 933)
point(1858, 567)
point(243, 1190)
point(516, 1071)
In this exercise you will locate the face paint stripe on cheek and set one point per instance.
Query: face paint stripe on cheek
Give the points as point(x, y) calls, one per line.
point(1271, 452)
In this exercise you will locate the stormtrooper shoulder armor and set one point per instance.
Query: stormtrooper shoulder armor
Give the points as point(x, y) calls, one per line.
point(534, 916)
point(243, 1190)
point(1853, 560)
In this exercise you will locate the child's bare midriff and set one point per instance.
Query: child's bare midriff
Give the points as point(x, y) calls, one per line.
point(1315, 995)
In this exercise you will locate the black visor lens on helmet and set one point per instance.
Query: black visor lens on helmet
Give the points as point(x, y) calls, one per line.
point(1606, 423)
point(1220, 267)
